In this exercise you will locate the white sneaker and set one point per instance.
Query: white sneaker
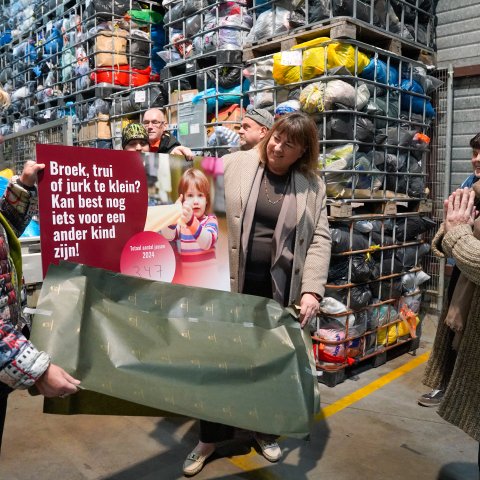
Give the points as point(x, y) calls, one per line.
point(270, 448)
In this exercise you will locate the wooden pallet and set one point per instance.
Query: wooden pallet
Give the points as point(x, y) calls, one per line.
point(342, 28)
point(344, 208)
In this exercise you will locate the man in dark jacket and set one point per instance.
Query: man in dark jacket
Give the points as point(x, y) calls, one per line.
point(160, 140)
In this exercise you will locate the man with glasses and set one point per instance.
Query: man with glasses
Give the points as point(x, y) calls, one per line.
point(255, 125)
point(159, 138)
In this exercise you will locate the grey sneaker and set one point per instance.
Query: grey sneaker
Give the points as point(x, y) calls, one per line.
point(432, 399)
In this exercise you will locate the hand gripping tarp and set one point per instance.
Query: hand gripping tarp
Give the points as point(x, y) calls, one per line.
point(140, 346)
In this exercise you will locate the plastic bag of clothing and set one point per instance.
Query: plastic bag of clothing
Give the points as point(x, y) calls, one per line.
point(173, 15)
point(221, 96)
point(321, 96)
point(387, 289)
point(343, 153)
point(381, 315)
point(289, 67)
point(332, 308)
point(228, 77)
point(378, 71)
point(418, 104)
point(318, 10)
point(360, 325)
point(193, 25)
point(223, 136)
point(349, 126)
point(263, 98)
point(411, 256)
point(139, 46)
point(355, 297)
point(364, 268)
point(331, 351)
point(287, 107)
point(346, 8)
point(269, 24)
point(409, 228)
point(111, 48)
point(341, 239)
point(412, 185)
point(338, 269)
point(344, 54)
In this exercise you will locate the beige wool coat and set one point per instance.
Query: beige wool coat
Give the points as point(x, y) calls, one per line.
point(311, 253)
point(461, 403)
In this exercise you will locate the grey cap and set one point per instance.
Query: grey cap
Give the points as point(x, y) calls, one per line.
point(261, 116)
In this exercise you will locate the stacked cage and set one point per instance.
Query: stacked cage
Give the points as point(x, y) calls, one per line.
point(373, 113)
point(409, 20)
point(67, 58)
point(203, 74)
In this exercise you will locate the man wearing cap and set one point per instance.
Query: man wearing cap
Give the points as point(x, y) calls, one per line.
point(255, 125)
point(135, 138)
point(159, 138)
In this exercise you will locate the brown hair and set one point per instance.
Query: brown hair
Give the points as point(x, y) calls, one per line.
point(300, 129)
point(199, 180)
point(475, 142)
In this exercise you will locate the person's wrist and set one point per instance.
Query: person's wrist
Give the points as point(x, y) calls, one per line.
point(22, 182)
point(317, 297)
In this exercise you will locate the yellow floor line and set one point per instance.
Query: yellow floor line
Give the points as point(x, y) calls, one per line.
point(248, 463)
point(357, 395)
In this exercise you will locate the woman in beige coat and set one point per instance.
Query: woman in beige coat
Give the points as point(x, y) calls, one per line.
point(279, 238)
point(459, 327)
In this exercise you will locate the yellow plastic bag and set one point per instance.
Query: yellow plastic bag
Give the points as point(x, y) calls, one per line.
point(6, 173)
point(343, 54)
point(286, 65)
point(382, 334)
point(314, 58)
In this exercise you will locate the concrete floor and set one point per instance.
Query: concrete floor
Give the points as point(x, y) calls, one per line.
point(385, 435)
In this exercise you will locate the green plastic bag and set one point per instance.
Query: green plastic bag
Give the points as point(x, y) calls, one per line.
point(230, 358)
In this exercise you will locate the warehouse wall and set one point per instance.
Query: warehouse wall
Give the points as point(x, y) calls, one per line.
point(458, 43)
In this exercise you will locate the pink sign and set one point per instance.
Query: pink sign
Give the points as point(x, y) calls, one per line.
point(150, 216)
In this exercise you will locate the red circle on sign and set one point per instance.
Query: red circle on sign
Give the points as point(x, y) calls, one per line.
point(148, 255)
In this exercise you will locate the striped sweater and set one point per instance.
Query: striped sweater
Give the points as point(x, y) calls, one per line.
point(198, 238)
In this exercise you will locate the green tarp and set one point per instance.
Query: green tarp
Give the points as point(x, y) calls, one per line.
point(146, 348)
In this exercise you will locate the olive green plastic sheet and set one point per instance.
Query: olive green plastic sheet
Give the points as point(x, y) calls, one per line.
point(147, 348)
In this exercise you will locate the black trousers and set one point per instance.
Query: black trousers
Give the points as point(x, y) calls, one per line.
point(211, 432)
point(4, 392)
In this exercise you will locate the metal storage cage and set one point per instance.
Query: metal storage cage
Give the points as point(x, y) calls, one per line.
point(76, 51)
point(411, 21)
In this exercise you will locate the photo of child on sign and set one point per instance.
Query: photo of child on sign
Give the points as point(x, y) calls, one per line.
point(181, 228)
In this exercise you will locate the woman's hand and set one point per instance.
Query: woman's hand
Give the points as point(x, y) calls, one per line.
point(309, 307)
point(30, 172)
point(459, 209)
point(56, 382)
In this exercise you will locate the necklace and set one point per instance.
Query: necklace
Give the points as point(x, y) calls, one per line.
point(266, 190)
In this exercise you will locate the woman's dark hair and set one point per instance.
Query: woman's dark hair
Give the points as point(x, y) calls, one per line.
point(300, 129)
point(475, 142)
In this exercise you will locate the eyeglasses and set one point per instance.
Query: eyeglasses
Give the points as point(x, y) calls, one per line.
point(155, 123)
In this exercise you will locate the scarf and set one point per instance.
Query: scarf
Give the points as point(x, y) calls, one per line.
point(458, 309)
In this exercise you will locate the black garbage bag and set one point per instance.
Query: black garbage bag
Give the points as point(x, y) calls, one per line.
point(139, 50)
point(409, 228)
point(345, 8)
point(364, 268)
point(360, 295)
point(341, 240)
point(387, 289)
point(412, 185)
point(340, 126)
point(409, 257)
point(338, 269)
point(388, 261)
point(173, 16)
point(228, 77)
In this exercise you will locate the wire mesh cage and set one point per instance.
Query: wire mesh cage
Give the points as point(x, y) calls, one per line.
point(410, 21)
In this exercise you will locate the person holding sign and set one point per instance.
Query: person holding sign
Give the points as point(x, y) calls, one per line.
point(135, 138)
point(21, 364)
point(196, 230)
point(279, 238)
point(160, 139)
